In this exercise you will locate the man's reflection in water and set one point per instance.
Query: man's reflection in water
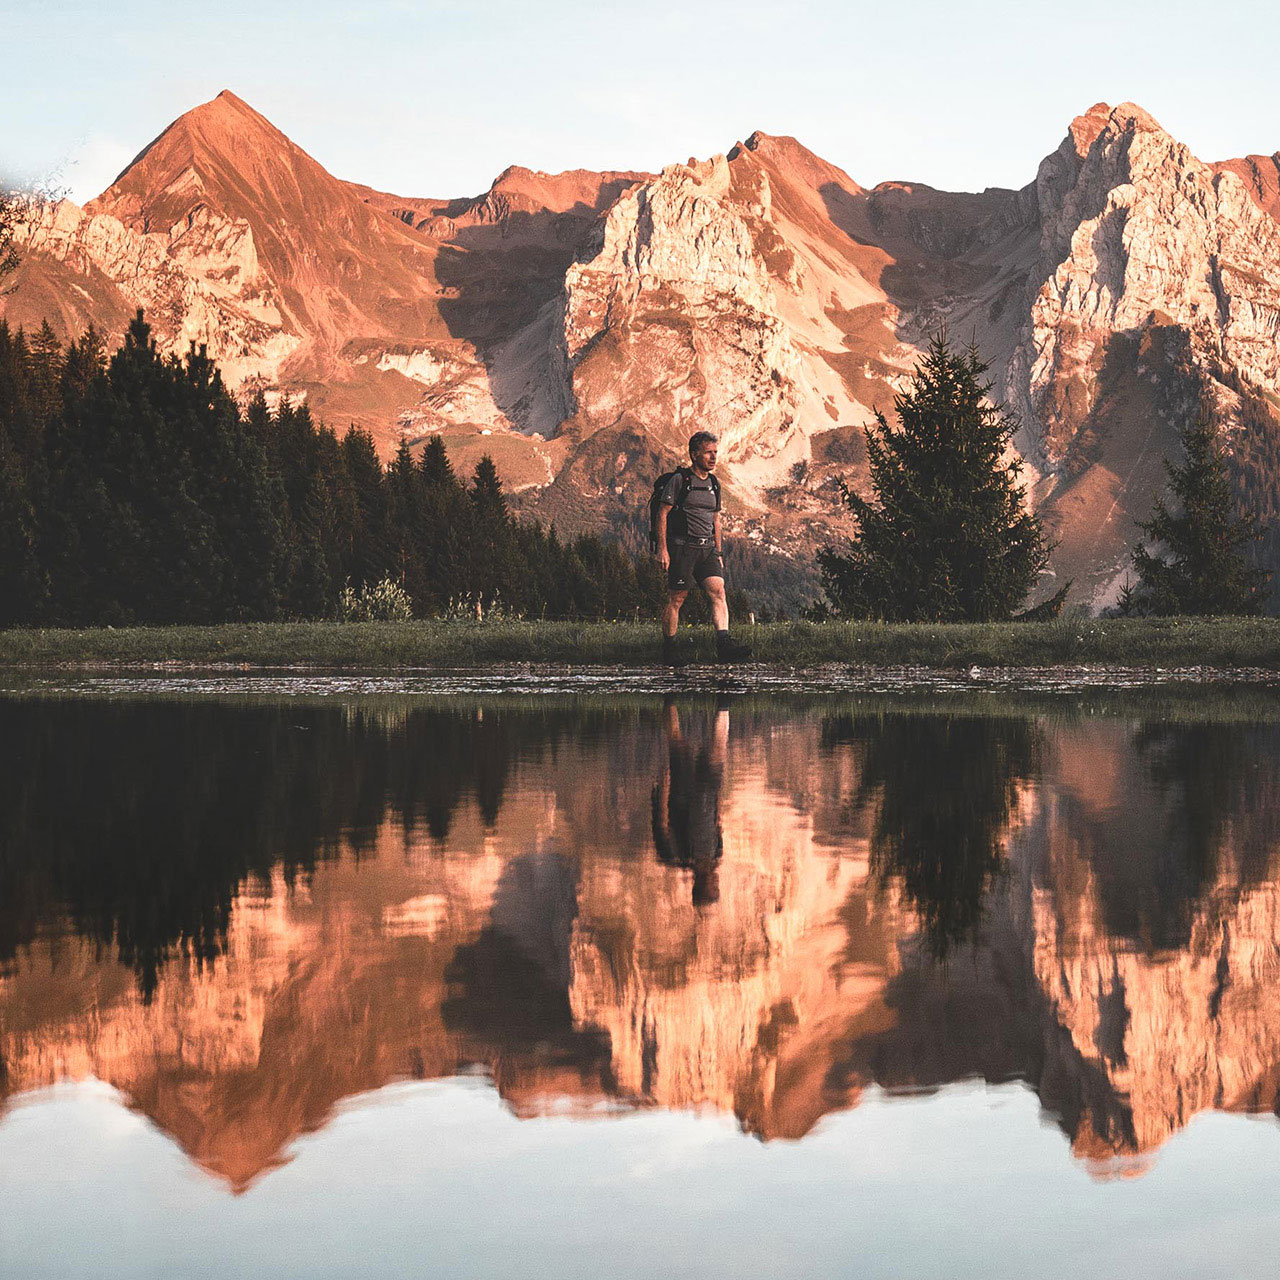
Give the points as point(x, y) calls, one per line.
point(686, 804)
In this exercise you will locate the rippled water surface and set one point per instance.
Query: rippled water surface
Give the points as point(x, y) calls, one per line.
point(304, 978)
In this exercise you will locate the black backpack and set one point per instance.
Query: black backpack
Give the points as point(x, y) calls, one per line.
point(677, 513)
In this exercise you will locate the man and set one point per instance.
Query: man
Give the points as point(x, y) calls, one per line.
point(690, 548)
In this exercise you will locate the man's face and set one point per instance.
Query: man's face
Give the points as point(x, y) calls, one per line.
point(704, 457)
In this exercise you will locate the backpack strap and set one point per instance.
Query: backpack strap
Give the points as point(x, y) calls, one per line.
point(686, 485)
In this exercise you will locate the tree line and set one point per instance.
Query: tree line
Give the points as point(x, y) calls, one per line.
point(133, 489)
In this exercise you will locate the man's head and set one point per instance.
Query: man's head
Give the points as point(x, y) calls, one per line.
point(702, 450)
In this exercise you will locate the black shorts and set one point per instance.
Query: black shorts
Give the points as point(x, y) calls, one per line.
point(692, 562)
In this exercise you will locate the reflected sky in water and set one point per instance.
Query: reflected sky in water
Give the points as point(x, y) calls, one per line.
point(775, 985)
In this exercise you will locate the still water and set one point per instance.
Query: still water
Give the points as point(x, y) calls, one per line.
point(902, 984)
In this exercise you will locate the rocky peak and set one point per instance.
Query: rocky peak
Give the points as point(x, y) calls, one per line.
point(763, 293)
point(1261, 177)
point(207, 156)
point(1086, 127)
point(678, 290)
point(790, 159)
point(1137, 236)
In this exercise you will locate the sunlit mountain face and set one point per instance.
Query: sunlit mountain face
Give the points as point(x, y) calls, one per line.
point(240, 914)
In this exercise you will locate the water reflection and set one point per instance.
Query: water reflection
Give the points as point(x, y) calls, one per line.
point(240, 914)
point(686, 803)
point(941, 790)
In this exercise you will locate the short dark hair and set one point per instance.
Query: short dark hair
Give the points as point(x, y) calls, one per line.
point(699, 438)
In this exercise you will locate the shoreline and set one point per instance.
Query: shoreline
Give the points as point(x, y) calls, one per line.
point(1247, 648)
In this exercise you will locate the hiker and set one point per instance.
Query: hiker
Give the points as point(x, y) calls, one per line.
point(685, 532)
point(686, 805)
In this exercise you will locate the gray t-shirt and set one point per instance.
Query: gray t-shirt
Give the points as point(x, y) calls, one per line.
point(699, 506)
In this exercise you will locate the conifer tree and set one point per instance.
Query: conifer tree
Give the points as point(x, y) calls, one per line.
point(492, 545)
point(15, 389)
point(84, 360)
point(46, 376)
point(369, 552)
point(1199, 564)
point(437, 470)
point(444, 547)
point(22, 580)
point(947, 537)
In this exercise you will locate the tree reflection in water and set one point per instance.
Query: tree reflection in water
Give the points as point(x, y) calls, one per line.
point(941, 789)
point(561, 957)
point(140, 821)
point(1211, 797)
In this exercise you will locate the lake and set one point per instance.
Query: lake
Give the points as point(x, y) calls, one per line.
point(319, 978)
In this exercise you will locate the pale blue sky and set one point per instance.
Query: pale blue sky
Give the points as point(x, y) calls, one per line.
point(432, 99)
point(439, 1179)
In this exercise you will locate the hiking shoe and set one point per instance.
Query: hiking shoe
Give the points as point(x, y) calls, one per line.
point(730, 650)
point(671, 653)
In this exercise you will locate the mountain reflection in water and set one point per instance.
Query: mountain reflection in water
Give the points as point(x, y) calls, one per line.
point(240, 914)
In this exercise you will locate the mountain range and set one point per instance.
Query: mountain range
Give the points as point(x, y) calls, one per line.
point(579, 326)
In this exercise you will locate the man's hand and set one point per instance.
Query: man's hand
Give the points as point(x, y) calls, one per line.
point(664, 557)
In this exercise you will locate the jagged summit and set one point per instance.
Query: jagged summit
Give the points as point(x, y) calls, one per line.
point(1261, 176)
point(1130, 114)
point(1086, 126)
point(789, 155)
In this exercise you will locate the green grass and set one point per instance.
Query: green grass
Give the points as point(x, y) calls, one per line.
point(1132, 642)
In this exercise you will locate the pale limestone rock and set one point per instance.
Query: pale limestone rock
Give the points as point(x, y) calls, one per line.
point(674, 318)
point(198, 282)
point(1135, 227)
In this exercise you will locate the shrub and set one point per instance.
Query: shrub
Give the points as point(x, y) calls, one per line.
point(385, 601)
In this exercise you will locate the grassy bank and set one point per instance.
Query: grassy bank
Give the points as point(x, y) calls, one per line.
point(1145, 642)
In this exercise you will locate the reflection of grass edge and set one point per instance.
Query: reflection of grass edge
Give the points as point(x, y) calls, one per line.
point(1183, 704)
point(1135, 642)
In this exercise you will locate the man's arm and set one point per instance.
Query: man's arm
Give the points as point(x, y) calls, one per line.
point(664, 556)
point(719, 549)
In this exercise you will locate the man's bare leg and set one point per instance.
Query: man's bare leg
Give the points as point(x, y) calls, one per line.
point(670, 621)
point(714, 587)
point(671, 612)
point(726, 649)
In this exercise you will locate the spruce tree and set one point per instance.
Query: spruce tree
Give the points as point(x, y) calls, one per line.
point(493, 568)
point(22, 579)
point(947, 537)
point(1199, 565)
point(444, 541)
point(370, 554)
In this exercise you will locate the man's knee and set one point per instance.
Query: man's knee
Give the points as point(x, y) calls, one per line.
point(714, 587)
point(676, 598)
